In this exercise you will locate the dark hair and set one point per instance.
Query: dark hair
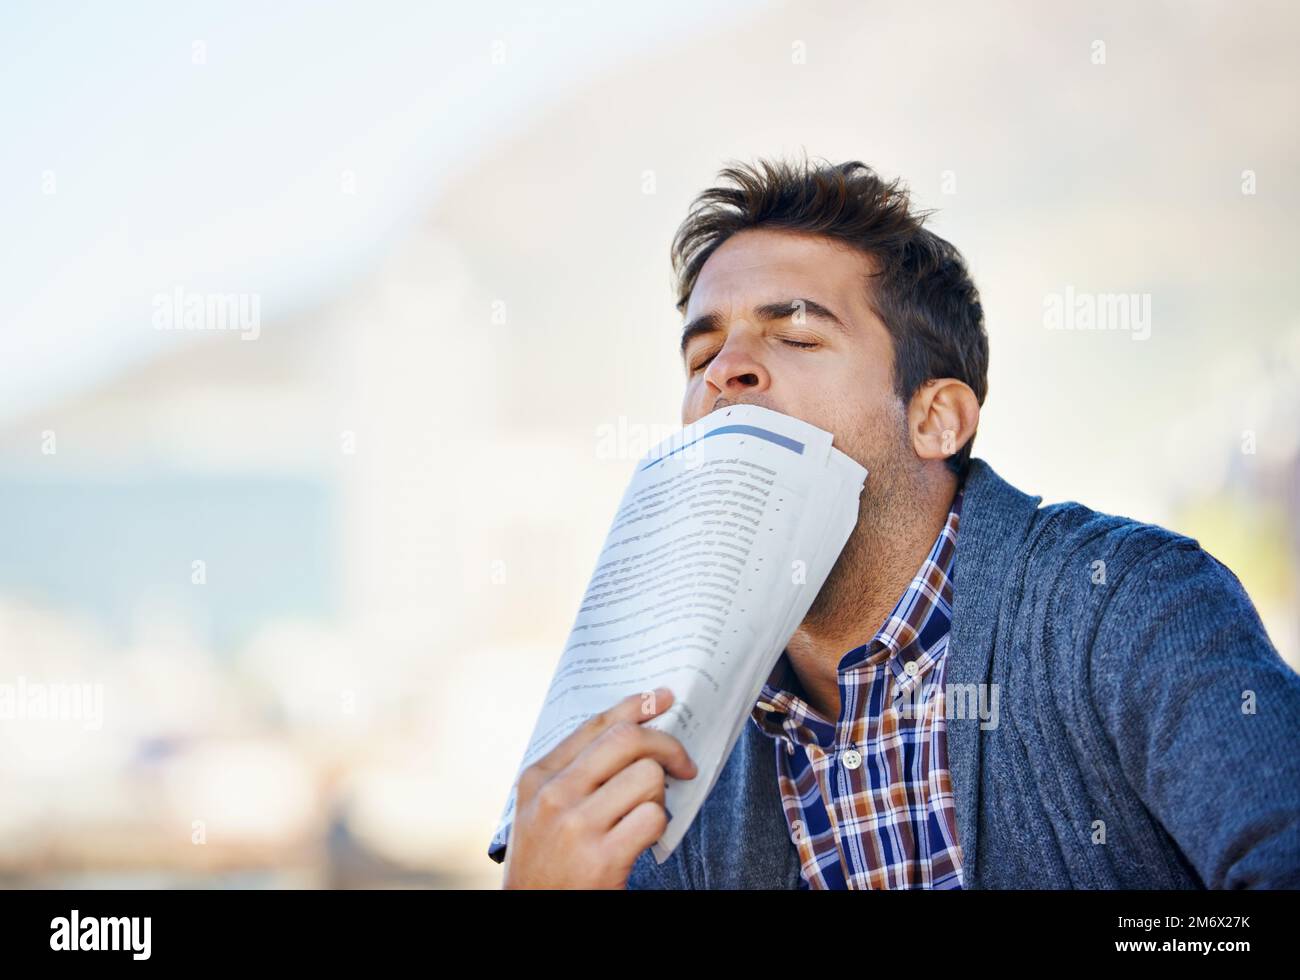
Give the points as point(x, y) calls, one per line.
point(923, 291)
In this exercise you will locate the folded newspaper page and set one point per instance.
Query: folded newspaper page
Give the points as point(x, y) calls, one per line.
point(722, 541)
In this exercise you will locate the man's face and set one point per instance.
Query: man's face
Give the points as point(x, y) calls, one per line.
point(761, 328)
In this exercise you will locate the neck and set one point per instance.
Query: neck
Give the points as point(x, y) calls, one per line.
point(882, 555)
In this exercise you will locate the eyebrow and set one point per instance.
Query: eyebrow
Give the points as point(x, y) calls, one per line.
point(768, 312)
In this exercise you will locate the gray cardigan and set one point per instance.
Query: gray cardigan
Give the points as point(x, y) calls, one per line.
point(1147, 735)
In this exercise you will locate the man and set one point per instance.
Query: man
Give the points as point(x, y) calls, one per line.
point(986, 693)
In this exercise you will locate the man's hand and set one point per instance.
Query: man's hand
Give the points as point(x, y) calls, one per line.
point(586, 810)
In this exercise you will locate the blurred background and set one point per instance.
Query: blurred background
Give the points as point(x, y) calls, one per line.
point(329, 333)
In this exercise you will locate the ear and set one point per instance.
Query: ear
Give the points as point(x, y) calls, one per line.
point(942, 417)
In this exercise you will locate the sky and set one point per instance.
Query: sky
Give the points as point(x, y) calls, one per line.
point(250, 148)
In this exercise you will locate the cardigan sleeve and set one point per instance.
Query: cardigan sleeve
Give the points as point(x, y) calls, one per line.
point(1204, 716)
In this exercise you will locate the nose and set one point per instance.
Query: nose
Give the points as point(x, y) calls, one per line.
point(737, 368)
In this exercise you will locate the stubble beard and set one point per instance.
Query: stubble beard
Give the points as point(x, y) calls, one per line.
point(875, 547)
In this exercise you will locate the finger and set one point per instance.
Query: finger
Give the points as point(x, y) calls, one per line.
point(644, 825)
point(642, 781)
point(617, 748)
point(638, 707)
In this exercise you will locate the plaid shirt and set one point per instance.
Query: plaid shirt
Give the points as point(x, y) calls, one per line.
point(883, 817)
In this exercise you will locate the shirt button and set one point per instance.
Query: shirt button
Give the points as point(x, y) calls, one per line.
point(911, 669)
point(851, 759)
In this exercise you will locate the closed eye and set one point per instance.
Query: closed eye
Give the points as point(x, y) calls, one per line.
point(800, 344)
point(703, 364)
